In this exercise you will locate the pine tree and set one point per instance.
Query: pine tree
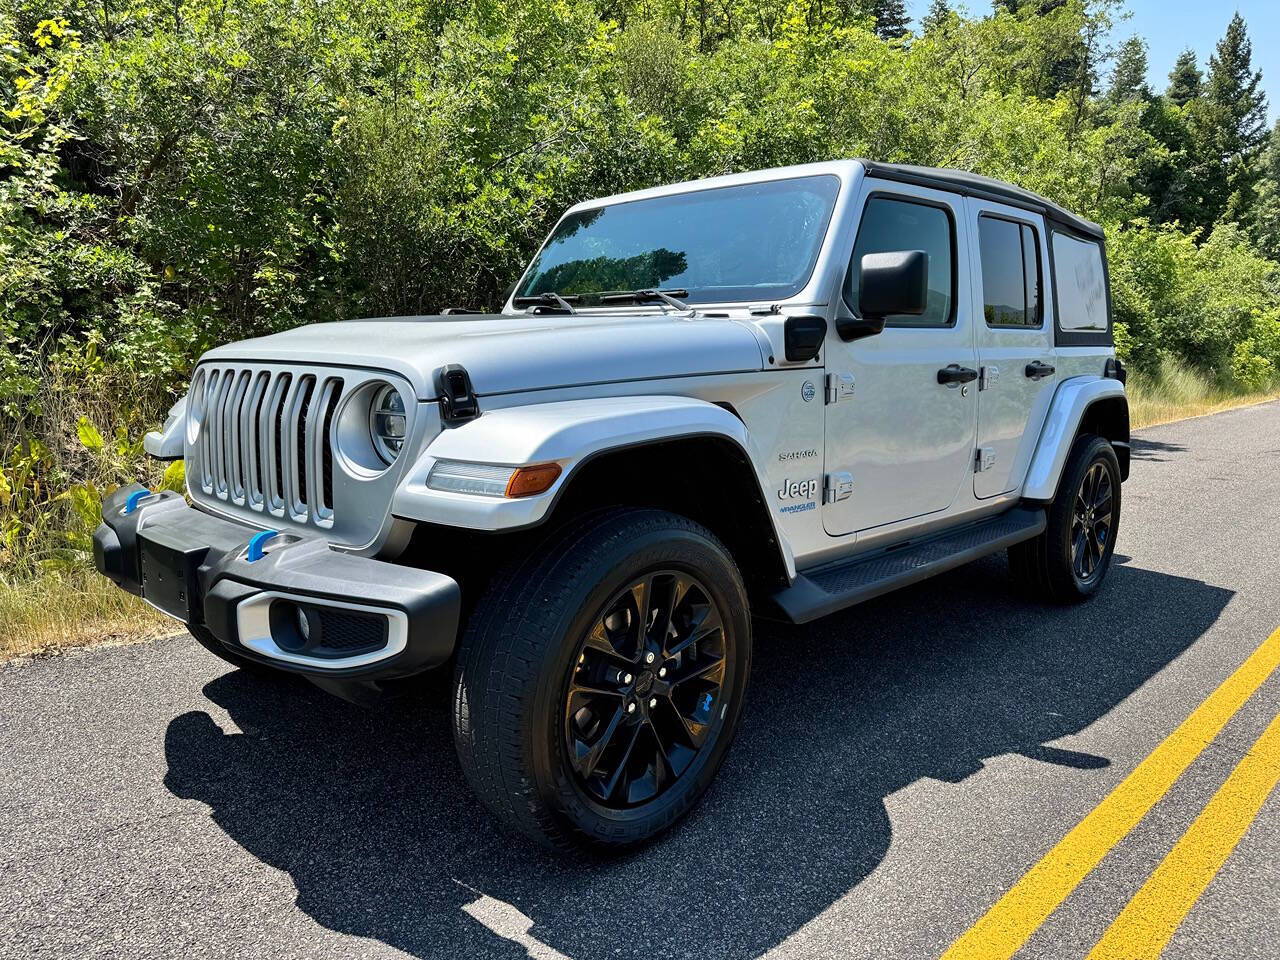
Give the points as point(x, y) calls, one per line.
point(1013, 6)
point(1228, 131)
point(937, 16)
point(891, 18)
point(1129, 78)
point(1264, 225)
point(1185, 79)
point(1233, 89)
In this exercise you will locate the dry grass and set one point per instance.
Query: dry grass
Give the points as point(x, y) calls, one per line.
point(51, 473)
point(58, 611)
point(1179, 393)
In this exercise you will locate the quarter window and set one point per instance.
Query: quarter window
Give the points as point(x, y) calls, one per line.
point(1010, 273)
point(1081, 283)
point(889, 225)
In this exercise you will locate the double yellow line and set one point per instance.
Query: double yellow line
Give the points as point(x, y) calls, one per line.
point(1147, 922)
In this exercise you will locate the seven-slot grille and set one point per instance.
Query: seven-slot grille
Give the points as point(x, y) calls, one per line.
point(265, 441)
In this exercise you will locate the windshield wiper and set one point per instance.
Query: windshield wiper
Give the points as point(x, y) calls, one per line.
point(649, 296)
point(548, 299)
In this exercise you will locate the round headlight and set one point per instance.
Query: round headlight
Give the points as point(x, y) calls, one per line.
point(195, 407)
point(387, 423)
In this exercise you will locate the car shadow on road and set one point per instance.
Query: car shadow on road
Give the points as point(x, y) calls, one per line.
point(367, 812)
point(1156, 451)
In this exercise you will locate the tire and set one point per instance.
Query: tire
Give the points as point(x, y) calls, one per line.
point(1052, 567)
point(554, 657)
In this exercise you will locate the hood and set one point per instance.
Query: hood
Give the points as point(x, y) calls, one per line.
point(508, 354)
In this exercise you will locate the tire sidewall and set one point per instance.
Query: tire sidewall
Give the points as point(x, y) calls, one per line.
point(554, 783)
point(1088, 451)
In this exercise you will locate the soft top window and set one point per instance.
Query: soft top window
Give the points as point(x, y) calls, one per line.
point(1081, 284)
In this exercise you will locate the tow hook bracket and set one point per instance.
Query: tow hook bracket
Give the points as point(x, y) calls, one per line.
point(256, 544)
point(131, 504)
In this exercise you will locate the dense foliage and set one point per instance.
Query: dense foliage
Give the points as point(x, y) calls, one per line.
point(173, 176)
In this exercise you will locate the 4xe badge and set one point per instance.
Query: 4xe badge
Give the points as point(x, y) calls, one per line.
point(808, 391)
point(798, 490)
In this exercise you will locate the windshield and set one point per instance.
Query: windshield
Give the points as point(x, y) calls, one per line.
point(755, 241)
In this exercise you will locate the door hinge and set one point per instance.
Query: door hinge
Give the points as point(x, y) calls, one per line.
point(839, 387)
point(837, 486)
point(985, 459)
point(989, 378)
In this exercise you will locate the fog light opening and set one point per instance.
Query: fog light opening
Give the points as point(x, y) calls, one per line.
point(326, 631)
point(294, 627)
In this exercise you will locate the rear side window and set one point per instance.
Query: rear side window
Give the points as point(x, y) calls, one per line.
point(1081, 284)
point(1010, 273)
point(889, 225)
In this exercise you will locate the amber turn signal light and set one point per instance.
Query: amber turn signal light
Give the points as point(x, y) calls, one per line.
point(528, 481)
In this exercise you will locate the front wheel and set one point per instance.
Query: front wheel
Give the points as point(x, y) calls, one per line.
point(601, 679)
point(1069, 561)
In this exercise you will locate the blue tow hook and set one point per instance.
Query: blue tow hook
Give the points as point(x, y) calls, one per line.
point(256, 544)
point(131, 504)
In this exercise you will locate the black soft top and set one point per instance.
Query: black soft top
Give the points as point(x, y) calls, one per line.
point(971, 184)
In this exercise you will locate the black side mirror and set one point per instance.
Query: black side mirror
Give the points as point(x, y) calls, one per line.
point(889, 284)
point(803, 337)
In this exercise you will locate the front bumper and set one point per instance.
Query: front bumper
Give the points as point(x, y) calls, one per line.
point(298, 606)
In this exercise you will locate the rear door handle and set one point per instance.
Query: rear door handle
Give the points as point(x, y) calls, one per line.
point(1038, 371)
point(953, 375)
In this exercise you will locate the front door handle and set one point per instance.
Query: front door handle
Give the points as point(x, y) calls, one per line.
point(953, 375)
point(1038, 371)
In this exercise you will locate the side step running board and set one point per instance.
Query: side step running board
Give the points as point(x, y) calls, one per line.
point(828, 589)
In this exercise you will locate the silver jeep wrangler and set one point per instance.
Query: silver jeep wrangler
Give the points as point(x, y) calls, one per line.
point(772, 394)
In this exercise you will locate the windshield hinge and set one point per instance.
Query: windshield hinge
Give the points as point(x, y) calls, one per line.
point(839, 386)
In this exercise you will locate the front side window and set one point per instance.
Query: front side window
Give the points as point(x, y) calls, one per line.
point(1010, 273)
point(752, 242)
point(890, 225)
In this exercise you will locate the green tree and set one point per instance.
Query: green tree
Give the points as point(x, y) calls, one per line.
point(1186, 82)
point(1231, 129)
point(1264, 224)
point(1129, 76)
point(891, 18)
point(936, 17)
point(1234, 87)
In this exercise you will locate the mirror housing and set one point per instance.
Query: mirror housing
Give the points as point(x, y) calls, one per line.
point(894, 283)
point(803, 337)
point(889, 284)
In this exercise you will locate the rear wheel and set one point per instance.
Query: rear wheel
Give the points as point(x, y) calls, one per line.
point(601, 680)
point(1069, 561)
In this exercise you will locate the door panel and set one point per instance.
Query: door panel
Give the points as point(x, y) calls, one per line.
point(906, 439)
point(1014, 320)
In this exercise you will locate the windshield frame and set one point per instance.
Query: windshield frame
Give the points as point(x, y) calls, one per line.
point(810, 289)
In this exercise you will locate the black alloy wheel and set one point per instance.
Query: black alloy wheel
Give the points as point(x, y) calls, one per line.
point(601, 678)
point(1069, 560)
point(1091, 522)
point(645, 688)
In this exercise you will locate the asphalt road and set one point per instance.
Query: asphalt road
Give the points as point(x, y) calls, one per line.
point(900, 767)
